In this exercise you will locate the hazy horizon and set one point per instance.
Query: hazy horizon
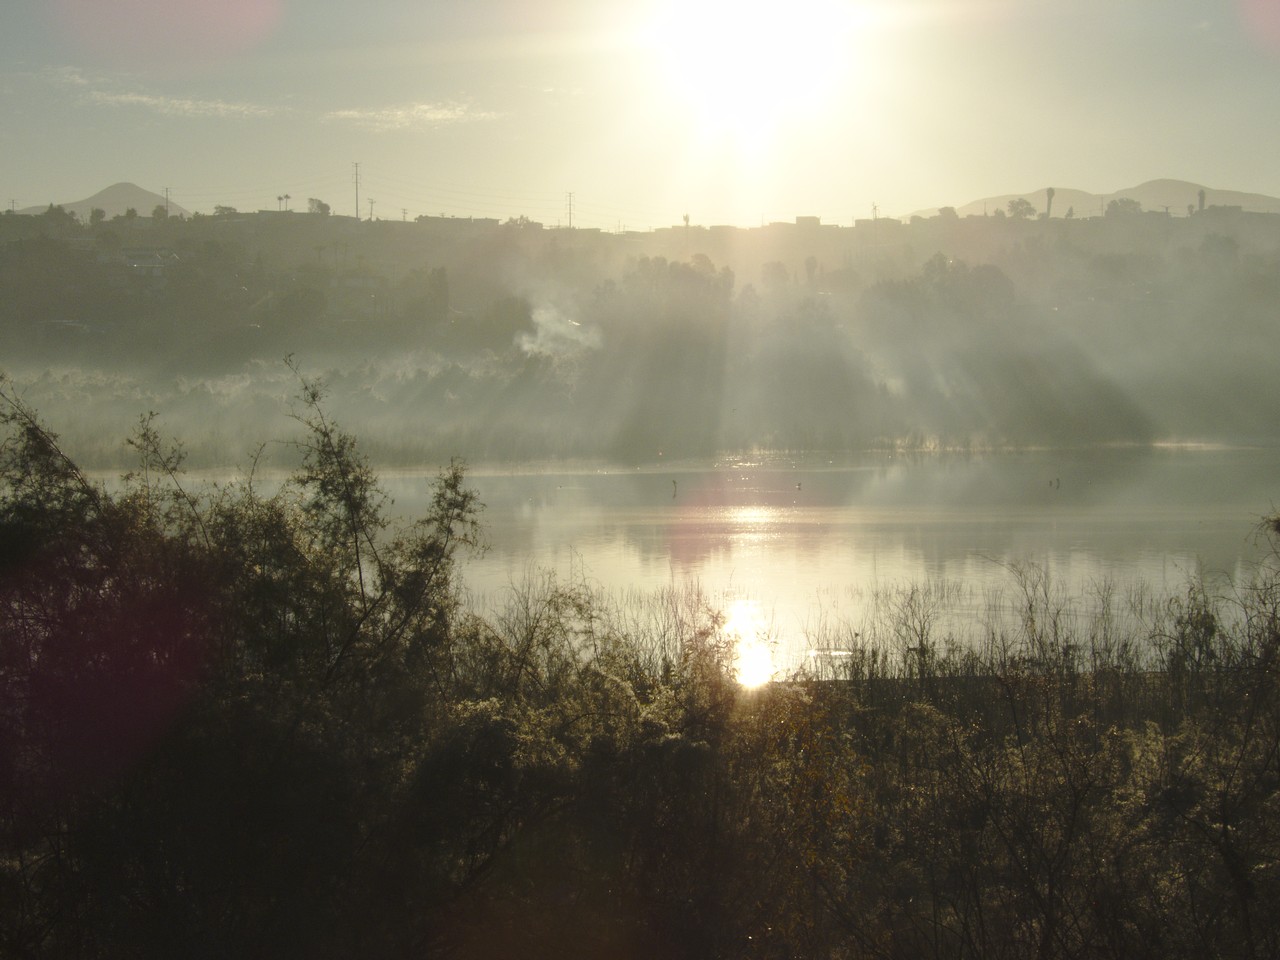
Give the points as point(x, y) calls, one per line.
point(644, 112)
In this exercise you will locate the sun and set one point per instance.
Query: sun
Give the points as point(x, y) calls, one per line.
point(746, 69)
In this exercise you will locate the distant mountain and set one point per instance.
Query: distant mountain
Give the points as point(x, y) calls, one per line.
point(114, 201)
point(1176, 195)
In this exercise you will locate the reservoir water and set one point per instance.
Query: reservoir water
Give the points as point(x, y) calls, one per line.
point(793, 545)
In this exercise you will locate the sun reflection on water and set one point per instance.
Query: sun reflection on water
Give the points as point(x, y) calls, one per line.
point(745, 626)
point(753, 518)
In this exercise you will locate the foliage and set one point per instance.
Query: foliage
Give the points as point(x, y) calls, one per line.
point(249, 723)
point(1122, 206)
point(1020, 208)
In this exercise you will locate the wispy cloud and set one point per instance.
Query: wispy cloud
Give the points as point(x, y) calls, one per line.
point(102, 91)
point(411, 116)
point(408, 116)
point(181, 106)
point(68, 76)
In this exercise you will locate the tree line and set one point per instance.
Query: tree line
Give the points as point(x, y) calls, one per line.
point(505, 341)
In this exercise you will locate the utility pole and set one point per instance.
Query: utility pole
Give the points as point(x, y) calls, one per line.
point(357, 179)
point(570, 197)
point(404, 214)
point(371, 203)
point(166, 201)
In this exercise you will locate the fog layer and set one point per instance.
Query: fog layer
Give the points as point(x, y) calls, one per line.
point(511, 341)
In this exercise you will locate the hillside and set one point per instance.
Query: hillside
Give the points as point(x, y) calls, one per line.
point(114, 201)
point(510, 341)
point(1156, 195)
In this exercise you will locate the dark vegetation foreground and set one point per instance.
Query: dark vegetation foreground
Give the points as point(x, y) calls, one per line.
point(241, 724)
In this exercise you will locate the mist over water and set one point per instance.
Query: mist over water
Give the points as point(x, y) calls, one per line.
point(817, 549)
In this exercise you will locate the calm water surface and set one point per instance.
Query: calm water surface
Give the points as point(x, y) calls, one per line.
point(791, 545)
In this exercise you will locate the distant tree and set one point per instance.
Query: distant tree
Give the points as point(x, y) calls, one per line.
point(1071, 213)
point(937, 267)
point(131, 214)
point(159, 212)
point(1048, 205)
point(223, 211)
point(60, 222)
point(948, 213)
point(1021, 209)
point(1123, 205)
point(703, 265)
point(317, 206)
point(96, 216)
point(774, 275)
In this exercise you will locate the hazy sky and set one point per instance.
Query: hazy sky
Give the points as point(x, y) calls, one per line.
point(732, 111)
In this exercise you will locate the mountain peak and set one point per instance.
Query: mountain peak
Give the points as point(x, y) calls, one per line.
point(114, 201)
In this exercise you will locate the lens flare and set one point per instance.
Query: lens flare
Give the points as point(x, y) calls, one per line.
point(1262, 18)
point(168, 32)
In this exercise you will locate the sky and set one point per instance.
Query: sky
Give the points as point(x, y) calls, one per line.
point(630, 114)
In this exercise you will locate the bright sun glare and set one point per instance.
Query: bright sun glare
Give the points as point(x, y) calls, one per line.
point(753, 657)
point(745, 68)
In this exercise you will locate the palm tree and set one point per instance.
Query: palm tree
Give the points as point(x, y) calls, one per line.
point(1048, 207)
